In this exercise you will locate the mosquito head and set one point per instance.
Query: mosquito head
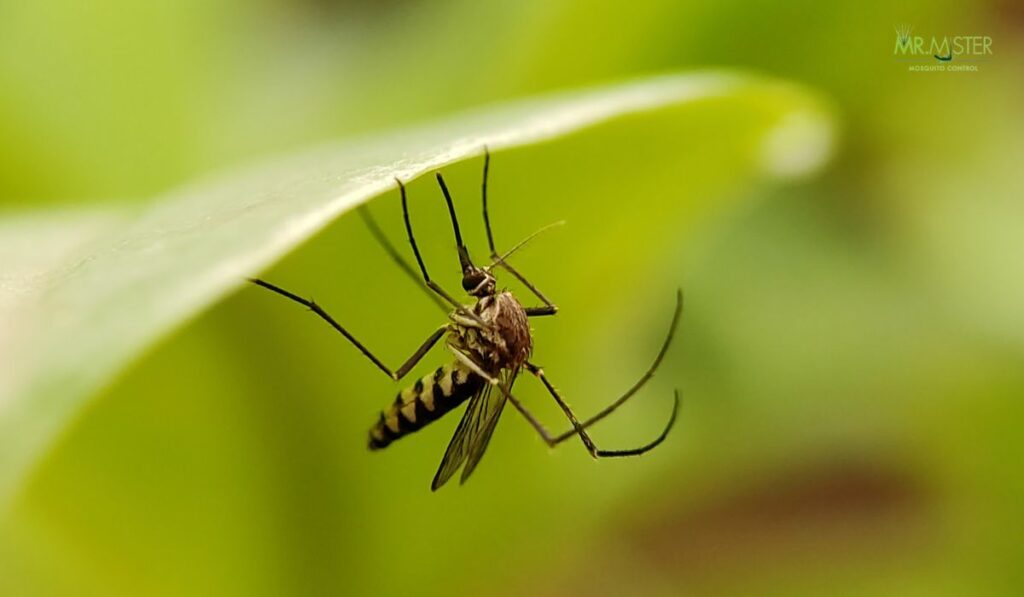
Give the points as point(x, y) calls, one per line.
point(478, 281)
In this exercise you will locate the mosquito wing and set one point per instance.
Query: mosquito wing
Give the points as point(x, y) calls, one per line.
point(495, 404)
point(464, 436)
point(473, 433)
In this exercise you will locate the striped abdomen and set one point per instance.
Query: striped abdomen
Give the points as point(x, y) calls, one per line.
point(427, 400)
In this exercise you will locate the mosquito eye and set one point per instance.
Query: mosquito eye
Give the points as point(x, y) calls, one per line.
point(472, 280)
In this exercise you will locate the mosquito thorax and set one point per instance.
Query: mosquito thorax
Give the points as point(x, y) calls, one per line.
point(505, 341)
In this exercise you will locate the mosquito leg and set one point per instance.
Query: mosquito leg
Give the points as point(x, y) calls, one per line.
point(483, 193)
point(392, 252)
point(468, 361)
point(579, 428)
point(420, 352)
point(419, 259)
point(315, 308)
point(533, 421)
point(466, 322)
point(549, 308)
point(474, 367)
point(464, 260)
point(640, 382)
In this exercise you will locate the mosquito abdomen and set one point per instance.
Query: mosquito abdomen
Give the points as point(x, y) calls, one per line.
point(427, 400)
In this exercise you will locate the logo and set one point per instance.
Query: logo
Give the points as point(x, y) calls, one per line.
point(958, 53)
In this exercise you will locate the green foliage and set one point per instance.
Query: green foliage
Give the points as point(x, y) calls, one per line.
point(128, 276)
point(850, 354)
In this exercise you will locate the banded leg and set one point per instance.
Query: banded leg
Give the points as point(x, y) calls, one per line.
point(549, 308)
point(578, 428)
point(463, 254)
point(392, 252)
point(676, 316)
point(315, 308)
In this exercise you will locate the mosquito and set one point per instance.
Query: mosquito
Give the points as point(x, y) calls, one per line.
point(491, 342)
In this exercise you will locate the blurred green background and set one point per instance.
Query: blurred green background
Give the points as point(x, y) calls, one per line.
point(851, 354)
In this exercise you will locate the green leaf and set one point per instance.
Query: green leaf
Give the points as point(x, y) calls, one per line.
point(83, 294)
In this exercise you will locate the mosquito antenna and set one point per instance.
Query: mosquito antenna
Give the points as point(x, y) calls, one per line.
point(463, 252)
point(519, 245)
